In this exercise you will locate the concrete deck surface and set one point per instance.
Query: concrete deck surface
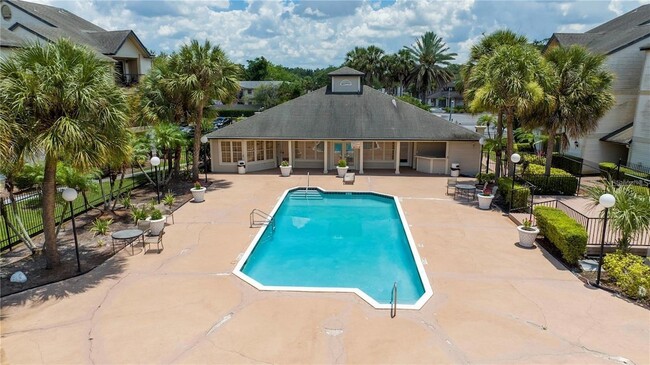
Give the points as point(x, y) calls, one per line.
point(493, 302)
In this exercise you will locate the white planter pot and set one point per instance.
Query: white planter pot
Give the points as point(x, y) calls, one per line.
point(526, 237)
point(198, 194)
point(484, 201)
point(285, 170)
point(144, 225)
point(156, 226)
point(341, 171)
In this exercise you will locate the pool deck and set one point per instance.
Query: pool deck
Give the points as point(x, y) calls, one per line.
point(493, 301)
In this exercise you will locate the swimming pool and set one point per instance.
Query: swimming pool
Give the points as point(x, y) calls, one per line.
point(338, 242)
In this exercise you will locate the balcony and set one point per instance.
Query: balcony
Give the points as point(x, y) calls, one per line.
point(127, 79)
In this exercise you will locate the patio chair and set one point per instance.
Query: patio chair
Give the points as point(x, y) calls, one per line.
point(348, 178)
point(451, 183)
point(157, 239)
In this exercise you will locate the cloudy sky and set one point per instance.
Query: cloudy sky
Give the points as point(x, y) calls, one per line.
point(319, 33)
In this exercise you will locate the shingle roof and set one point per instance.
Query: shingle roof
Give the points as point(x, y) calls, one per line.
point(9, 39)
point(61, 23)
point(371, 115)
point(613, 35)
point(345, 71)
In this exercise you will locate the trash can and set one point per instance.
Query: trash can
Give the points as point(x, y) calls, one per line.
point(241, 166)
point(455, 169)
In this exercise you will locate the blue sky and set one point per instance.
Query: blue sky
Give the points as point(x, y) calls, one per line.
point(319, 33)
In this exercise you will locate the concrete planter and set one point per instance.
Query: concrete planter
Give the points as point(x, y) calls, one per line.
point(527, 236)
point(156, 226)
point(285, 170)
point(341, 171)
point(484, 201)
point(198, 194)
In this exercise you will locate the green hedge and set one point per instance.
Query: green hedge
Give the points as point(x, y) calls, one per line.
point(563, 231)
point(610, 169)
point(534, 159)
point(235, 113)
point(570, 164)
point(559, 182)
point(524, 147)
point(629, 272)
point(520, 196)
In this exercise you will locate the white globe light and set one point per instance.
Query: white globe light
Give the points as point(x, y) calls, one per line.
point(481, 141)
point(69, 194)
point(607, 200)
point(204, 139)
point(155, 161)
point(515, 158)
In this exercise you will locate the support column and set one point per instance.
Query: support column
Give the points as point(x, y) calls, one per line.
point(361, 159)
point(290, 143)
point(325, 151)
point(397, 148)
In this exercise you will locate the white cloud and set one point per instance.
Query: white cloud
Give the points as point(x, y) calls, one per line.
point(166, 30)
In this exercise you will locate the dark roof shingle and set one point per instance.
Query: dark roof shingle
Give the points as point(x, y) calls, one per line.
point(371, 115)
point(345, 71)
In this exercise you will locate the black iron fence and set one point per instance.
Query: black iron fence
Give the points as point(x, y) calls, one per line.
point(594, 226)
point(26, 208)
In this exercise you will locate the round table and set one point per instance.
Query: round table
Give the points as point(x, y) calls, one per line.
point(128, 236)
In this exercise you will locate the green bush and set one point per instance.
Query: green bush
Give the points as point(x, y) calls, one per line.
point(235, 113)
point(563, 231)
point(100, 226)
point(610, 169)
point(523, 147)
point(534, 159)
point(629, 272)
point(560, 181)
point(520, 196)
point(570, 164)
point(483, 178)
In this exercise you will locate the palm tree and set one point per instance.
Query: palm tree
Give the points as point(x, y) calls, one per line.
point(486, 48)
point(431, 57)
point(397, 67)
point(368, 60)
point(579, 94)
point(509, 81)
point(63, 96)
point(631, 212)
point(203, 72)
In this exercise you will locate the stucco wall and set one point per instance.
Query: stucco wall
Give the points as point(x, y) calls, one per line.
point(346, 84)
point(465, 153)
point(640, 149)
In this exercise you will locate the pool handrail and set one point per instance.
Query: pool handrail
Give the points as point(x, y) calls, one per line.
point(268, 219)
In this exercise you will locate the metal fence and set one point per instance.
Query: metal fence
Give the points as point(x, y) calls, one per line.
point(28, 206)
point(594, 226)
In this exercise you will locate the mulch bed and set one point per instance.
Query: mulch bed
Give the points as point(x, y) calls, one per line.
point(93, 250)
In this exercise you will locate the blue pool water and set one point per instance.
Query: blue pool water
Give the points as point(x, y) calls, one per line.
point(337, 240)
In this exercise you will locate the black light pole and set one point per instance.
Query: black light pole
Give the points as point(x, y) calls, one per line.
point(70, 195)
point(515, 158)
point(155, 161)
point(449, 98)
point(607, 201)
point(487, 163)
point(204, 140)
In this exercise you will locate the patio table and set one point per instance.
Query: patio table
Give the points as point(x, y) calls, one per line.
point(465, 190)
point(128, 236)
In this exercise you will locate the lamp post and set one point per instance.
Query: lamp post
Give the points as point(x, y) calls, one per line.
point(204, 140)
point(449, 98)
point(515, 158)
point(155, 161)
point(482, 143)
point(70, 195)
point(607, 201)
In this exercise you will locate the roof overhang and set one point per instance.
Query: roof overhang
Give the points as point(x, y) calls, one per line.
point(622, 135)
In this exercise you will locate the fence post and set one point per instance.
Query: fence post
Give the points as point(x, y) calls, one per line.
point(618, 170)
point(6, 218)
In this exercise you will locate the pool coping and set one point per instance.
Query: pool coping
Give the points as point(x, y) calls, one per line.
point(428, 291)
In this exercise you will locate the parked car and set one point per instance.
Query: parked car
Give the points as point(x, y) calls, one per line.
point(221, 122)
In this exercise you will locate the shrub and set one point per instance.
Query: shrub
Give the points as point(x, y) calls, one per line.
point(139, 214)
point(126, 201)
point(342, 163)
point(534, 159)
point(562, 231)
point(284, 163)
point(610, 169)
point(520, 196)
point(100, 226)
point(197, 186)
point(156, 215)
point(570, 164)
point(483, 178)
point(169, 199)
point(523, 147)
point(629, 272)
point(559, 182)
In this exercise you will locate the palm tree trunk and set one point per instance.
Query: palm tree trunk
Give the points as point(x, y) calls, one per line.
point(498, 151)
point(49, 223)
point(511, 140)
point(550, 145)
point(197, 143)
point(177, 161)
point(119, 188)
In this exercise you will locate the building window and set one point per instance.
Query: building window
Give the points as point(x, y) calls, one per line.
point(381, 151)
point(259, 151)
point(307, 151)
point(269, 150)
point(231, 151)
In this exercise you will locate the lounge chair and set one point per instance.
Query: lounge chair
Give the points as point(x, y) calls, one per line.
point(348, 178)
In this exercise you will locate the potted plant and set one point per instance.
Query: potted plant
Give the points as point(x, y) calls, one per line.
point(285, 168)
point(198, 192)
point(156, 222)
point(342, 167)
point(485, 199)
point(139, 216)
point(527, 233)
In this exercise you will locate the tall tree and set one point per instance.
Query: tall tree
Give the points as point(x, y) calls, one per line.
point(369, 61)
point(579, 94)
point(63, 96)
point(485, 48)
point(203, 72)
point(258, 69)
point(509, 81)
point(431, 57)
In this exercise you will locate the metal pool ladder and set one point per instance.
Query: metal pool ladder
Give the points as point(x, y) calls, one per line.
point(393, 301)
point(265, 221)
